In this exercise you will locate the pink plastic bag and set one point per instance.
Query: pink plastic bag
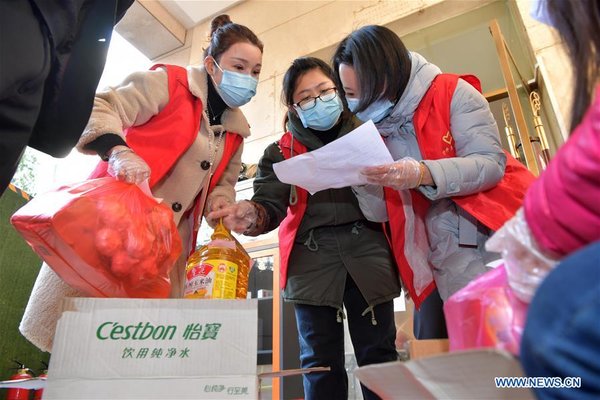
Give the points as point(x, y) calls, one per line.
point(486, 313)
point(104, 237)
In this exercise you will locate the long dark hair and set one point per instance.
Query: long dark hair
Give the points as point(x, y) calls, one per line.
point(299, 67)
point(224, 34)
point(578, 22)
point(380, 60)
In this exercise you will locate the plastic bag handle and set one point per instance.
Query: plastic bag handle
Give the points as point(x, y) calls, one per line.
point(145, 188)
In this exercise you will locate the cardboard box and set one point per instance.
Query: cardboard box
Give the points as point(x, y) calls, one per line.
point(262, 293)
point(458, 375)
point(154, 349)
point(425, 348)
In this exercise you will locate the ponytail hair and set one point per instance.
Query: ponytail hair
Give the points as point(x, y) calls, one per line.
point(224, 33)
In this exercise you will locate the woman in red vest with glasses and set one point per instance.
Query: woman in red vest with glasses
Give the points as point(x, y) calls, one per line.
point(451, 184)
point(332, 258)
point(180, 128)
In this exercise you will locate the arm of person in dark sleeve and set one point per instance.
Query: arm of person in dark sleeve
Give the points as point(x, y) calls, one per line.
point(122, 6)
point(103, 144)
point(269, 192)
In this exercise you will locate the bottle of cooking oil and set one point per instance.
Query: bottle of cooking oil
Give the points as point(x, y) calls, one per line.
point(219, 269)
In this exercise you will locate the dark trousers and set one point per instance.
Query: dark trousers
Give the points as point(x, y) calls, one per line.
point(24, 65)
point(429, 321)
point(562, 332)
point(321, 339)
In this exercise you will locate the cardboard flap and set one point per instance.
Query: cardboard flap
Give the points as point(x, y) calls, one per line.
point(90, 304)
point(458, 375)
point(392, 380)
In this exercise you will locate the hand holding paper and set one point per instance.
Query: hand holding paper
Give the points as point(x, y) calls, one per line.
point(406, 173)
point(337, 164)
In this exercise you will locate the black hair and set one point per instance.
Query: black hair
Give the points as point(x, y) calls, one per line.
point(224, 34)
point(380, 60)
point(299, 67)
point(577, 23)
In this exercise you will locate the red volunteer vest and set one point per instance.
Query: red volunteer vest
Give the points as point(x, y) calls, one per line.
point(289, 226)
point(166, 137)
point(492, 207)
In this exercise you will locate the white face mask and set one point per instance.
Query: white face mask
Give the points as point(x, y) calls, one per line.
point(236, 89)
point(376, 111)
point(323, 116)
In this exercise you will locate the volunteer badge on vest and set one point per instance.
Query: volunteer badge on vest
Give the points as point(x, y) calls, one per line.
point(448, 144)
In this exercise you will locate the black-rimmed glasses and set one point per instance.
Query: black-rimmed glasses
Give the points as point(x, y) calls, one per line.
point(310, 102)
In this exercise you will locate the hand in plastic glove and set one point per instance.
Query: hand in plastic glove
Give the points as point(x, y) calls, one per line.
point(526, 264)
point(213, 204)
point(127, 166)
point(406, 173)
point(239, 217)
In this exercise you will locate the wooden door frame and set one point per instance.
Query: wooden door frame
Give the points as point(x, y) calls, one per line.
point(513, 96)
point(266, 248)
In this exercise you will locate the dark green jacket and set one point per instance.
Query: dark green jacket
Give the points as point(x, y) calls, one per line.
point(334, 238)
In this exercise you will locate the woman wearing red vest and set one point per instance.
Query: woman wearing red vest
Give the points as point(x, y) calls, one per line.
point(180, 128)
point(440, 130)
point(331, 256)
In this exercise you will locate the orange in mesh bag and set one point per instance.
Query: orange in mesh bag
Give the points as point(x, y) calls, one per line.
point(104, 237)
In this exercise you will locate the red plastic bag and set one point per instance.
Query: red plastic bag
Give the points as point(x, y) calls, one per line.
point(104, 237)
point(486, 313)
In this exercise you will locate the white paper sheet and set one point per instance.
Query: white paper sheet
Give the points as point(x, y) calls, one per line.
point(337, 164)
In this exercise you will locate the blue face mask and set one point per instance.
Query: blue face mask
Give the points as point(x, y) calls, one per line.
point(236, 89)
point(323, 115)
point(375, 111)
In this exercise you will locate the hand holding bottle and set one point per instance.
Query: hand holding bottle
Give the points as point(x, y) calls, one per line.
point(239, 217)
point(215, 203)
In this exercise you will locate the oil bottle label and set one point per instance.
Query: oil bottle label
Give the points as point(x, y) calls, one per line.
point(199, 281)
point(212, 279)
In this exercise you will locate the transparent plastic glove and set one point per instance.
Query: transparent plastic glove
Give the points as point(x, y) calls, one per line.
point(239, 217)
point(406, 173)
point(526, 264)
point(215, 204)
point(127, 166)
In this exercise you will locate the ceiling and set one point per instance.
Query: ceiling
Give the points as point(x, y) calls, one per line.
point(191, 12)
